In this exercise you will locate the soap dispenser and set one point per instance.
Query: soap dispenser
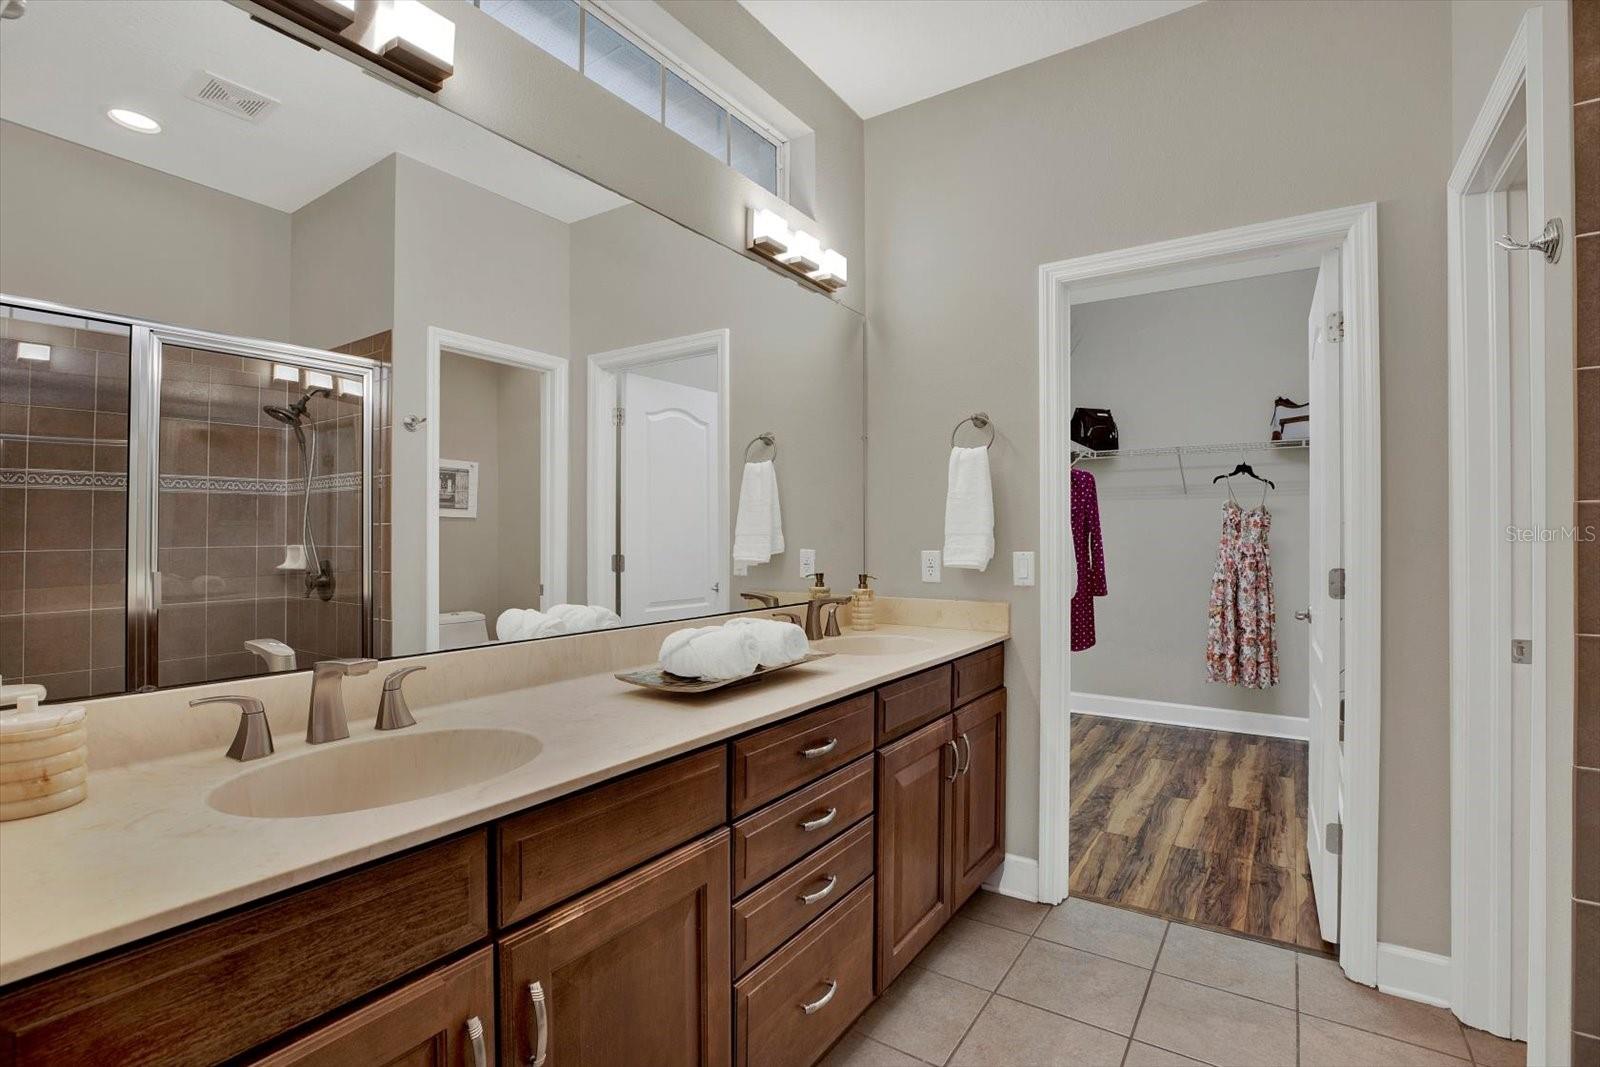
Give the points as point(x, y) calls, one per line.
point(861, 604)
point(44, 755)
point(819, 590)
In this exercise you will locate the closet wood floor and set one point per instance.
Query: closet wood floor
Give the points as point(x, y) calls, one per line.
point(1192, 824)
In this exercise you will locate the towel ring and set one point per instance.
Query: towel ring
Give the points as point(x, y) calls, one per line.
point(769, 439)
point(979, 420)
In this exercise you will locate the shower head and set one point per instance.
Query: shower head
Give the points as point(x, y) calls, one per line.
point(295, 413)
point(283, 415)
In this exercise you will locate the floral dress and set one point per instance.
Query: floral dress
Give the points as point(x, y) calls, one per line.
point(1241, 639)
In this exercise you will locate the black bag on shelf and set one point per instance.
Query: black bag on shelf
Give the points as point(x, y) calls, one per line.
point(1094, 429)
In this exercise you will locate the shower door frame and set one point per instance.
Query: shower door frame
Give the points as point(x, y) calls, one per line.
point(143, 493)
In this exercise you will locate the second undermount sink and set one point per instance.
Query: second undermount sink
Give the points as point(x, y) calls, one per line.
point(346, 776)
point(873, 644)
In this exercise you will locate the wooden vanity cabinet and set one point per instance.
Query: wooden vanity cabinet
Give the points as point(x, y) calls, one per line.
point(978, 830)
point(634, 972)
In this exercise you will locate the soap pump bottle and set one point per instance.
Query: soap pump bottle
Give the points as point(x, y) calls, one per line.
point(819, 590)
point(861, 604)
point(44, 755)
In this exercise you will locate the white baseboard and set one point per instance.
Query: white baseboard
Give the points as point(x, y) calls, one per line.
point(1414, 974)
point(1228, 720)
point(1017, 877)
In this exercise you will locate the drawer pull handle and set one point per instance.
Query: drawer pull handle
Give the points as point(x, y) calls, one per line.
point(480, 1058)
point(820, 821)
point(955, 762)
point(967, 763)
point(541, 1025)
point(822, 1001)
point(818, 751)
point(812, 898)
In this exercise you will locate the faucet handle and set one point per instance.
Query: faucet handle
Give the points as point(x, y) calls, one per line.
point(393, 711)
point(253, 739)
point(342, 667)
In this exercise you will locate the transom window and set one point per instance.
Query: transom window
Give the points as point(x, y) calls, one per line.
point(603, 49)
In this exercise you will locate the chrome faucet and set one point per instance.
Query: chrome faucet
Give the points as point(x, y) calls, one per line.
point(253, 739)
point(327, 721)
point(814, 625)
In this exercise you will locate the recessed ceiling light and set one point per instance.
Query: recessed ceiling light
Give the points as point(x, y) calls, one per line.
point(132, 120)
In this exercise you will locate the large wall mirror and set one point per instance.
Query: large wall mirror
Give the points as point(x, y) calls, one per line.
point(321, 369)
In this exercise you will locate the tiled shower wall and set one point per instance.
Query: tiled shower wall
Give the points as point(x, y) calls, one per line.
point(380, 347)
point(1586, 742)
point(63, 520)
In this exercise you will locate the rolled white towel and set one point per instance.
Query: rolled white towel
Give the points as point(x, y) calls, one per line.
point(780, 642)
point(715, 653)
point(522, 624)
point(582, 617)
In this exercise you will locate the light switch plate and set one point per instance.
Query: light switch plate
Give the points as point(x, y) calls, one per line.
point(808, 562)
point(1022, 568)
point(930, 564)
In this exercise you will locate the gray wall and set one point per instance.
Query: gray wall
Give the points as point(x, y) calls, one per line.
point(796, 370)
point(1220, 115)
point(91, 230)
point(1192, 366)
point(342, 261)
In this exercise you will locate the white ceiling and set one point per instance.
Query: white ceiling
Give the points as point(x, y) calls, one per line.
point(66, 61)
point(879, 55)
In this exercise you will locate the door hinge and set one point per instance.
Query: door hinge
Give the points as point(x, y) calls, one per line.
point(1521, 650)
point(1333, 839)
point(1335, 327)
point(1336, 583)
point(617, 416)
point(618, 563)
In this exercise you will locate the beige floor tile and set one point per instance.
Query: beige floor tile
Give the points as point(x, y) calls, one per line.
point(858, 1050)
point(1142, 1055)
point(1326, 1044)
point(923, 1014)
point(1236, 964)
point(1326, 993)
point(1215, 1026)
point(1116, 932)
point(1491, 1051)
point(1011, 1033)
point(1086, 987)
point(1023, 916)
point(973, 952)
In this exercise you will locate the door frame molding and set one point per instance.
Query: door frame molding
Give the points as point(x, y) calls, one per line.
point(604, 370)
point(552, 464)
point(1531, 88)
point(1354, 230)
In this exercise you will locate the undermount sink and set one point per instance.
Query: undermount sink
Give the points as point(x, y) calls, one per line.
point(873, 644)
point(346, 776)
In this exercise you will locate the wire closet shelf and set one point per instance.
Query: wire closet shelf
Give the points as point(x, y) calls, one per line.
point(1079, 455)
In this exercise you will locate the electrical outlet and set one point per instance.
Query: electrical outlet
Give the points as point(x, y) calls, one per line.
point(808, 562)
point(1022, 568)
point(930, 564)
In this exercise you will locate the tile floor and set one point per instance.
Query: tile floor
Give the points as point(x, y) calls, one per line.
point(1014, 984)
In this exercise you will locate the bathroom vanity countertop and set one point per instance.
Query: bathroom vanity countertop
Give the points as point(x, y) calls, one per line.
point(145, 853)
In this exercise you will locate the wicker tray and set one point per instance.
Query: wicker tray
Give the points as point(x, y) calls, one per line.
point(664, 682)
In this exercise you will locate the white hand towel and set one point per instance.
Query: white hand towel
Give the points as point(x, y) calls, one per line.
point(780, 642)
point(522, 624)
point(758, 530)
point(714, 653)
point(580, 618)
point(969, 511)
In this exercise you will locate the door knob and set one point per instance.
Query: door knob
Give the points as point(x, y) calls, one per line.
point(1303, 616)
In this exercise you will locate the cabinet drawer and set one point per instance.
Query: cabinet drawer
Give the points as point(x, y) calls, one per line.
point(777, 835)
point(423, 1023)
point(781, 758)
point(791, 1008)
point(907, 704)
point(768, 917)
point(222, 988)
point(565, 847)
point(980, 673)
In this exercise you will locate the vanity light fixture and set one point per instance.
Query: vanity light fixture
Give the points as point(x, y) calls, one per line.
point(283, 372)
point(33, 351)
point(768, 235)
point(831, 274)
point(334, 14)
point(418, 38)
point(768, 232)
point(316, 379)
point(133, 120)
point(804, 254)
point(349, 387)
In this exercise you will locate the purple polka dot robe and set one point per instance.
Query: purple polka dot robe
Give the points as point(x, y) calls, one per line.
point(1089, 551)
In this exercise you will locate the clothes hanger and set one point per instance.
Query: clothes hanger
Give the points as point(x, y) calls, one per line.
point(1247, 470)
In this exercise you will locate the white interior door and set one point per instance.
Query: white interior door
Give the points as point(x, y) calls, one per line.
point(1326, 756)
point(672, 565)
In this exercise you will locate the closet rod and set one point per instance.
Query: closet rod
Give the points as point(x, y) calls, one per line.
point(1189, 450)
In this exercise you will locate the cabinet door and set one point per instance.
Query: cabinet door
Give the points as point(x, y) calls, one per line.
point(425, 1023)
point(635, 972)
point(914, 801)
point(978, 830)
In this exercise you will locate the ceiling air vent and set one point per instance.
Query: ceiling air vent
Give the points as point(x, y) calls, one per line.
point(229, 97)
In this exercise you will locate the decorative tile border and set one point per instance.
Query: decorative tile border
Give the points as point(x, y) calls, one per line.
point(176, 483)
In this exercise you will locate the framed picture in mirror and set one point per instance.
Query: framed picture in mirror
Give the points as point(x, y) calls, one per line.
point(458, 489)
